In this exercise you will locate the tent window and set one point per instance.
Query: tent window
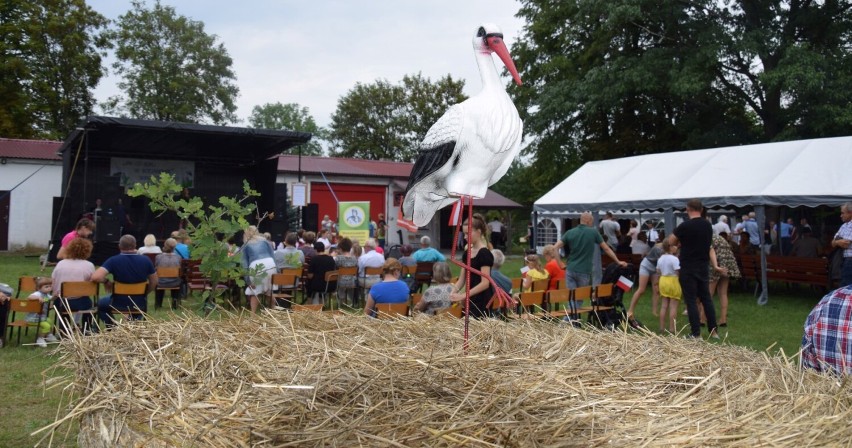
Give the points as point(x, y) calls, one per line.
point(546, 232)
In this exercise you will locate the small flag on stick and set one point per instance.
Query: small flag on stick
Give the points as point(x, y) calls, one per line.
point(455, 216)
point(624, 283)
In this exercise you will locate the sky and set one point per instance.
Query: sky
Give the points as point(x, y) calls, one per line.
point(314, 52)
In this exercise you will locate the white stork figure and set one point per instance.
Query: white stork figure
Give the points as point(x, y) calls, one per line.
point(473, 144)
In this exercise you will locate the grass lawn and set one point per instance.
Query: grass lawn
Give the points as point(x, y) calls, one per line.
point(27, 405)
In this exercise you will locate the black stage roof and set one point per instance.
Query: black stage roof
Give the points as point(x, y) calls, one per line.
point(125, 137)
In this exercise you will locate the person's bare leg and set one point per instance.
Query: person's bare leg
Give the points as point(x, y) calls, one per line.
point(253, 304)
point(724, 282)
point(655, 294)
point(643, 283)
point(663, 314)
point(673, 315)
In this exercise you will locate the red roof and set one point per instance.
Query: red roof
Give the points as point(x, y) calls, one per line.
point(351, 167)
point(374, 168)
point(12, 148)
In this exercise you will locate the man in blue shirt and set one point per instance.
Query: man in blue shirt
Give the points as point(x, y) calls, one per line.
point(753, 231)
point(426, 253)
point(126, 267)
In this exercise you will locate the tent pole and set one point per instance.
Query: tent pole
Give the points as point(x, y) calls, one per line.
point(760, 211)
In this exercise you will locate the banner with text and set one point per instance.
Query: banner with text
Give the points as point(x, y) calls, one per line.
point(141, 170)
point(354, 221)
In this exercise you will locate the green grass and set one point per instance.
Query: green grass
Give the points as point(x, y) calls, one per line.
point(27, 405)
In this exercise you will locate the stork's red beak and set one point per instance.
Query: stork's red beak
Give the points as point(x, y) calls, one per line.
point(496, 44)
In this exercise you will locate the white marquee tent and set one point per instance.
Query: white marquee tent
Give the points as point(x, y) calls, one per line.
point(796, 173)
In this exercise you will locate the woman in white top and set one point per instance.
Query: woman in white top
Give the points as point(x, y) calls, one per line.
point(150, 246)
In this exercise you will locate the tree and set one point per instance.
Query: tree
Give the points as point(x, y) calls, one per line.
point(171, 69)
point(290, 117)
point(209, 226)
point(50, 62)
point(629, 77)
point(387, 122)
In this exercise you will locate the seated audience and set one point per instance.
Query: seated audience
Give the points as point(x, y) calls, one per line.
point(554, 265)
point(505, 283)
point(640, 246)
point(346, 284)
point(437, 297)
point(76, 267)
point(126, 267)
point(288, 256)
point(167, 259)
point(427, 253)
point(389, 290)
point(407, 259)
point(150, 246)
point(320, 264)
point(807, 245)
point(535, 272)
point(43, 295)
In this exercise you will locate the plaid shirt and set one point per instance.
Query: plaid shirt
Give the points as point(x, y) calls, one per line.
point(827, 342)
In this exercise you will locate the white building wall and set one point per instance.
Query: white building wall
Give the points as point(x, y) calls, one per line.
point(31, 203)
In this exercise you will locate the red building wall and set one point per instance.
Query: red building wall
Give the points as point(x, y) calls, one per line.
point(376, 195)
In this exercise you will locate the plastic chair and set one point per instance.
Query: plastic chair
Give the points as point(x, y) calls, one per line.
point(23, 306)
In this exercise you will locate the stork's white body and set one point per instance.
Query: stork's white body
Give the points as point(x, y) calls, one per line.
point(486, 132)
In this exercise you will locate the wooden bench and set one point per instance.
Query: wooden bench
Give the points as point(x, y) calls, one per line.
point(633, 259)
point(803, 270)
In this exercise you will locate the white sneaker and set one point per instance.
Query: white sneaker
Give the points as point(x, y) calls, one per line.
point(41, 342)
point(51, 338)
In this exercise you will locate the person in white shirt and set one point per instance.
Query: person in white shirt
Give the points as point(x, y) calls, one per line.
point(369, 259)
point(721, 226)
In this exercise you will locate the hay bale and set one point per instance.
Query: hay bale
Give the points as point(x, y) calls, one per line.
point(310, 379)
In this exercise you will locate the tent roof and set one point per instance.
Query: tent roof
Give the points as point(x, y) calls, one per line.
point(125, 137)
point(796, 173)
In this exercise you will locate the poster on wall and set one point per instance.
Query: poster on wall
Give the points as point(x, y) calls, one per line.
point(354, 221)
point(132, 171)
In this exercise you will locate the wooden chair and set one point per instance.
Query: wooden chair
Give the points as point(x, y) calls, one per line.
point(284, 288)
point(423, 275)
point(330, 280)
point(560, 283)
point(391, 310)
point(25, 306)
point(169, 273)
point(530, 303)
point(192, 276)
point(454, 310)
point(415, 299)
point(540, 285)
point(580, 294)
point(152, 257)
point(130, 289)
point(555, 299)
point(298, 307)
point(517, 284)
point(72, 290)
point(297, 285)
point(26, 284)
point(362, 280)
point(347, 291)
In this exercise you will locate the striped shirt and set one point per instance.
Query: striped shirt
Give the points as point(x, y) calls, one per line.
point(827, 342)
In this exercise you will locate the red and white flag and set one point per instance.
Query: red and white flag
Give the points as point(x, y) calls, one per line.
point(455, 216)
point(624, 283)
point(405, 223)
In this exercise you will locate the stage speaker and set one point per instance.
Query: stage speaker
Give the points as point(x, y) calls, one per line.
point(108, 230)
point(278, 229)
point(310, 217)
point(279, 203)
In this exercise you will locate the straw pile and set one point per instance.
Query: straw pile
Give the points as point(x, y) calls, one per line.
point(311, 379)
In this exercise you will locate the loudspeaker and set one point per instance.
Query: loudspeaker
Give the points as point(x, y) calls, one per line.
point(279, 203)
point(278, 229)
point(108, 230)
point(310, 217)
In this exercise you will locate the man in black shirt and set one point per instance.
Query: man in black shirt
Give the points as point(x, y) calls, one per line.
point(695, 237)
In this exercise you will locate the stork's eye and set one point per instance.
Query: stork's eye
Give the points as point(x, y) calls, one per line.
point(481, 32)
